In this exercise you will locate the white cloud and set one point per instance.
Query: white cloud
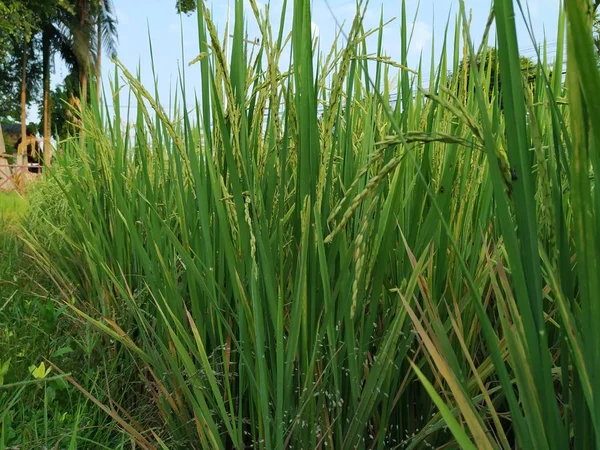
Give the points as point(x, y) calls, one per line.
point(421, 37)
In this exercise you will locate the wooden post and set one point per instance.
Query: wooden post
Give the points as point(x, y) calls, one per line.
point(2, 147)
point(19, 157)
point(23, 144)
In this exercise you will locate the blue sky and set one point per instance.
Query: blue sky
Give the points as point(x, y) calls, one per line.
point(159, 16)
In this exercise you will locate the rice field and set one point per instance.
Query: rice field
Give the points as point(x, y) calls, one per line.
point(327, 252)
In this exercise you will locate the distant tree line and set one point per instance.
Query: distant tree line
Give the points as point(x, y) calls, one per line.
point(33, 34)
point(488, 66)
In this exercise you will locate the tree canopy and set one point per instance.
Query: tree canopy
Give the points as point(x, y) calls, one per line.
point(33, 31)
point(185, 6)
point(489, 67)
point(17, 19)
point(10, 76)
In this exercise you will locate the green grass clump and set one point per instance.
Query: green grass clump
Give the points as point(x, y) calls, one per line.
point(297, 261)
point(12, 206)
point(47, 412)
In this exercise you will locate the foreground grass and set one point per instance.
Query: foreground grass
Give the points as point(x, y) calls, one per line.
point(39, 409)
point(12, 206)
point(374, 276)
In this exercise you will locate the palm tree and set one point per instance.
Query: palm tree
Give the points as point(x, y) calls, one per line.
point(82, 30)
point(50, 32)
point(78, 33)
point(92, 28)
point(46, 49)
point(106, 35)
point(53, 16)
point(23, 97)
point(28, 56)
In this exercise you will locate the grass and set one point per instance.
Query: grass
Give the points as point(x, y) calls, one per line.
point(300, 262)
point(44, 411)
point(12, 206)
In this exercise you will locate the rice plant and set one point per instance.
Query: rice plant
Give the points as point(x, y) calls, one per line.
point(298, 261)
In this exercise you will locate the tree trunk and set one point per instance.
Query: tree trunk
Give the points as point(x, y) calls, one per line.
point(2, 147)
point(23, 144)
point(98, 56)
point(84, 69)
point(46, 82)
point(85, 61)
point(84, 88)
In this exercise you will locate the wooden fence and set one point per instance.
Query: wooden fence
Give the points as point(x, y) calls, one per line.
point(15, 176)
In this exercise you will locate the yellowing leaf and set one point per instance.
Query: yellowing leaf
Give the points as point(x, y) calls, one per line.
point(40, 371)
